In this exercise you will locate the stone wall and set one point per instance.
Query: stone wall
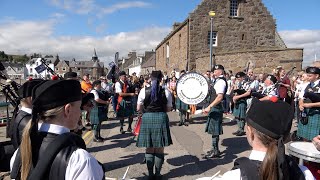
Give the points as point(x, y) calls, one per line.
point(260, 60)
point(178, 45)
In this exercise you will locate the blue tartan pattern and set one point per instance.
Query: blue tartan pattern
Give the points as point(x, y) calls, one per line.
point(154, 130)
point(214, 122)
point(240, 109)
point(126, 109)
point(98, 114)
point(310, 130)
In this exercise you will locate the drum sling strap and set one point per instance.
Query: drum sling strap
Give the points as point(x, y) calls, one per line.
point(250, 169)
point(54, 159)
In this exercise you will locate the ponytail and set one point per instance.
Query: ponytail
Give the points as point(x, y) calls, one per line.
point(26, 151)
point(269, 166)
point(155, 90)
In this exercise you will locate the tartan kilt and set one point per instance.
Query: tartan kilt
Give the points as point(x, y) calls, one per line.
point(181, 105)
point(214, 122)
point(98, 114)
point(310, 130)
point(154, 130)
point(240, 109)
point(125, 109)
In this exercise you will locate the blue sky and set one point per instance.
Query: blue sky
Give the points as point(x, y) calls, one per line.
point(72, 28)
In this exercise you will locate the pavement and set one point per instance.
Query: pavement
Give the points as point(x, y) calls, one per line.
point(183, 159)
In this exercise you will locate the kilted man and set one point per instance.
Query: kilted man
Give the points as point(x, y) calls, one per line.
point(48, 150)
point(124, 104)
point(154, 132)
point(215, 110)
point(240, 101)
point(182, 107)
point(23, 116)
point(309, 127)
point(99, 111)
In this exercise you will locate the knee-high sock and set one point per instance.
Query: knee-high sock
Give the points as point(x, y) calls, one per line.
point(95, 131)
point(215, 142)
point(158, 161)
point(241, 125)
point(130, 122)
point(150, 163)
point(121, 122)
point(99, 129)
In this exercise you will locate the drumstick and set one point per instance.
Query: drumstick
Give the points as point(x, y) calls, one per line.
point(216, 174)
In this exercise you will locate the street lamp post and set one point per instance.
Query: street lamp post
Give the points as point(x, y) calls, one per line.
point(211, 14)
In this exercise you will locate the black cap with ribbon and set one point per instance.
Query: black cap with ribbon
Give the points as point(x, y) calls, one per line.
point(26, 89)
point(156, 75)
point(313, 70)
point(273, 119)
point(240, 74)
point(52, 94)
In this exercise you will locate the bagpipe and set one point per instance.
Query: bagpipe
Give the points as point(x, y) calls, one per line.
point(55, 76)
point(312, 97)
point(10, 88)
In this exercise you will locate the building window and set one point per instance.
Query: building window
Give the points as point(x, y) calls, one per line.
point(19, 69)
point(63, 69)
point(57, 69)
point(214, 39)
point(30, 70)
point(234, 7)
point(78, 69)
point(9, 69)
point(179, 41)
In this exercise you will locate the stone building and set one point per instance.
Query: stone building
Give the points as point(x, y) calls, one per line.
point(62, 67)
point(94, 67)
point(15, 71)
point(149, 65)
point(244, 32)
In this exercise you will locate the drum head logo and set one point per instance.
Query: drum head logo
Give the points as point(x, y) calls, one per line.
point(192, 88)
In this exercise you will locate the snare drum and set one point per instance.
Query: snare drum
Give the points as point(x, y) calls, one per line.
point(304, 151)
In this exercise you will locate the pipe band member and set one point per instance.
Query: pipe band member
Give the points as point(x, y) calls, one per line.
point(154, 131)
point(23, 116)
point(99, 111)
point(124, 104)
point(215, 110)
point(240, 100)
point(269, 89)
point(309, 127)
point(49, 150)
point(182, 107)
point(267, 159)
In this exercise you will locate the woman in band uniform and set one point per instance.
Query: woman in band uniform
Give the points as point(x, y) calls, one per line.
point(154, 132)
point(51, 151)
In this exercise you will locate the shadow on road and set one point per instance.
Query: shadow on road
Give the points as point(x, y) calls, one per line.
point(124, 162)
point(119, 140)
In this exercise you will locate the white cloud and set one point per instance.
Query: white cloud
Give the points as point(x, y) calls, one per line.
point(125, 5)
point(27, 37)
point(307, 39)
point(76, 6)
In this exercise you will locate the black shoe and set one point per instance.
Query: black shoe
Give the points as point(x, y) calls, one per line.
point(151, 177)
point(97, 140)
point(185, 124)
point(158, 177)
point(241, 133)
point(235, 133)
point(213, 154)
point(121, 130)
point(180, 124)
point(101, 138)
point(144, 161)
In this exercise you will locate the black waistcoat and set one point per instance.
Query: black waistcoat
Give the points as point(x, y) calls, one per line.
point(160, 105)
point(50, 156)
point(20, 122)
point(212, 91)
point(101, 96)
point(128, 90)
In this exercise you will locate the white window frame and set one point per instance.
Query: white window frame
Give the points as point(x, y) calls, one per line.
point(214, 38)
point(234, 8)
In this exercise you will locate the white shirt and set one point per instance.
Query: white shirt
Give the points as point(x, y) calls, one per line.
point(27, 110)
point(299, 88)
point(269, 91)
point(219, 86)
point(81, 165)
point(118, 87)
point(258, 156)
point(95, 93)
point(142, 96)
point(301, 94)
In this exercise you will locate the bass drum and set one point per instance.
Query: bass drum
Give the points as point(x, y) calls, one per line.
point(192, 88)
